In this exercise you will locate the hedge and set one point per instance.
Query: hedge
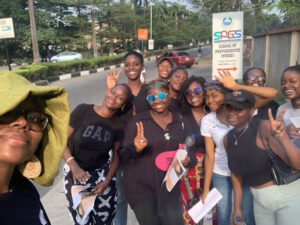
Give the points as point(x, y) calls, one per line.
point(43, 70)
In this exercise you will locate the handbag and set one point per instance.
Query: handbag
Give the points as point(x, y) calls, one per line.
point(281, 172)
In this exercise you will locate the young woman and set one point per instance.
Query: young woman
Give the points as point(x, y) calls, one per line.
point(256, 77)
point(214, 127)
point(164, 68)
point(133, 66)
point(33, 135)
point(90, 182)
point(290, 87)
point(176, 80)
point(247, 145)
point(146, 136)
point(193, 110)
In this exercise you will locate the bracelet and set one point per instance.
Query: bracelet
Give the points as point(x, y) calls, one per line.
point(69, 159)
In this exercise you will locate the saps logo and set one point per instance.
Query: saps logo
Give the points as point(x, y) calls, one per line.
point(229, 35)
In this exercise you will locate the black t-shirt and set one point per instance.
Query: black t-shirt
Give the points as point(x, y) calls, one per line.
point(246, 159)
point(199, 145)
point(93, 137)
point(22, 206)
point(262, 113)
point(140, 104)
point(140, 101)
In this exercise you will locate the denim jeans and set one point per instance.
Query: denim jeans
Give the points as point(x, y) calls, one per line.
point(277, 204)
point(224, 206)
point(121, 213)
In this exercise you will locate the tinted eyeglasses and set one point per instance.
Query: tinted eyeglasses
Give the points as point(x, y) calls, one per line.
point(255, 78)
point(37, 121)
point(197, 90)
point(161, 96)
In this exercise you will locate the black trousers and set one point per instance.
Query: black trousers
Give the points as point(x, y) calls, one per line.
point(157, 212)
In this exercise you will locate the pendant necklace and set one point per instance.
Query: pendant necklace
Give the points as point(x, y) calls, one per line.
point(236, 138)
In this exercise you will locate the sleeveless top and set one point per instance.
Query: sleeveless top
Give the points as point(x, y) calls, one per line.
point(246, 159)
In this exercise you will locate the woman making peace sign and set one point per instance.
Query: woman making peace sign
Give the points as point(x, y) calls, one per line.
point(146, 136)
point(247, 145)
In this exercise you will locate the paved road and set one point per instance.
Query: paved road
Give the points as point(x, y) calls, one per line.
point(91, 89)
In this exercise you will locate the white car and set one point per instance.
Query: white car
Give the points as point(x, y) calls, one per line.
point(66, 56)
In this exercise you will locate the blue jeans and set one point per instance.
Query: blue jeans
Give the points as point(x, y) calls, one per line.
point(224, 206)
point(121, 213)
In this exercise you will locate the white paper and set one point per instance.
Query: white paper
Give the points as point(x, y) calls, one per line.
point(296, 121)
point(176, 170)
point(198, 211)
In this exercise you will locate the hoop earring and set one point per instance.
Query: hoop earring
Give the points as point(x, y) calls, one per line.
point(204, 108)
point(31, 168)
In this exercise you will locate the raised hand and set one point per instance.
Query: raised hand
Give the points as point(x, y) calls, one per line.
point(278, 128)
point(100, 188)
point(112, 78)
point(227, 80)
point(140, 142)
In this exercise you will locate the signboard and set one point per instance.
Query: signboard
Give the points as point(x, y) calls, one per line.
point(143, 34)
point(150, 44)
point(228, 43)
point(6, 28)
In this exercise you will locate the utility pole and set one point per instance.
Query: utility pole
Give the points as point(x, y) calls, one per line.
point(150, 19)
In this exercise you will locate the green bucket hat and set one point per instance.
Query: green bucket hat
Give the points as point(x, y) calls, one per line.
point(13, 90)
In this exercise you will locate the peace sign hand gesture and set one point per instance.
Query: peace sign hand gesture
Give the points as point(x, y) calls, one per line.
point(112, 78)
point(278, 128)
point(227, 80)
point(140, 142)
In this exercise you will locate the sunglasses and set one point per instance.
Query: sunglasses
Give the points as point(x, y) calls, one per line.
point(255, 78)
point(197, 90)
point(37, 121)
point(160, 96)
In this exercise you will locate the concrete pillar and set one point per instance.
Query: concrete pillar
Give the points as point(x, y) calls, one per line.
point(267, 56)
point(295, 44)
point(252, 52)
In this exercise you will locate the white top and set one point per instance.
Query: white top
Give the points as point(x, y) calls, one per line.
point(290, 113)
point(212, 127)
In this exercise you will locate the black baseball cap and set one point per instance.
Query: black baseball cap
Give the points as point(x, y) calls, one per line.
point(240, 99)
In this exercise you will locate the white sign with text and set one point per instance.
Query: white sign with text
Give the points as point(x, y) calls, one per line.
point(227, 39)
point(6, 28)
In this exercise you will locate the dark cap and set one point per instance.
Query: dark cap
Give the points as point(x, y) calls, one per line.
point(240, 99)
point(215, 85)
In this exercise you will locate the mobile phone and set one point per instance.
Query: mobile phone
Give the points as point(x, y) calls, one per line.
point(88, 191)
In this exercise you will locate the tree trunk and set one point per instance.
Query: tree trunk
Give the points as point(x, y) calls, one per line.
point(94, 38)
point(35, 45)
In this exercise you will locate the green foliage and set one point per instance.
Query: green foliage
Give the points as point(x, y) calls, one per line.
point(44, 70)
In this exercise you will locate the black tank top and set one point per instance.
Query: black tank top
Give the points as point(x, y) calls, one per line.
point(246, 158)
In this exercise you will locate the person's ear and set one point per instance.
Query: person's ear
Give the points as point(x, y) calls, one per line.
point(251, 111)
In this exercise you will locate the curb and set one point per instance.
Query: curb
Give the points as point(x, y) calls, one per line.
point(82, 73)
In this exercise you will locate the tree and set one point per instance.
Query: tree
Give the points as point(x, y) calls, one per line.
point(35, 45)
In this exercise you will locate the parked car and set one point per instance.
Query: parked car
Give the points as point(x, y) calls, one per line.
point(66, 56)
point(180, 58)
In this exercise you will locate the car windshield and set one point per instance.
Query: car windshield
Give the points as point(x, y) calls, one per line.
point(182, 54)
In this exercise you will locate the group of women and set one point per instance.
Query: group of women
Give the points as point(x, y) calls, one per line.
point(234, 125)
